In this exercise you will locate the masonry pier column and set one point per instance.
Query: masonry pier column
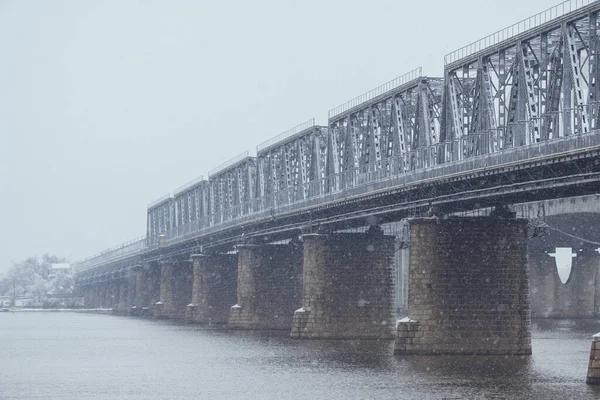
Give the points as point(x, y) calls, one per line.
point(182, 288)
point(165, 307)
point(104, 294)
point(91, 296)
point(141, 296)
point(123, 295)
point(268, 286)
point(214, 288)
point(131, 278)
point(87, 296)
point(468, 288)
point(550, 297)
point(152, 285)
point(348, 286)
point(96, 295)
point(593, 373)
point(115, 291)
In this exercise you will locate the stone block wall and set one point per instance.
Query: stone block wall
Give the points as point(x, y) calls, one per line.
point(152, 285)
point(175, 289)
point(164, 307)
point(141, 297)
point(348, 287)
point(268, 286)
point(182, 288)
point(468, 288)
point(593, 373)
point(131, 277)
point(115, 293)
point(123, 296)
point(214, 288)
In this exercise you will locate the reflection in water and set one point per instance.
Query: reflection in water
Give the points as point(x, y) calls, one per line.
point(65, 356)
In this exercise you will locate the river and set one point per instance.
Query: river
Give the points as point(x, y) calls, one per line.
point(65, 355)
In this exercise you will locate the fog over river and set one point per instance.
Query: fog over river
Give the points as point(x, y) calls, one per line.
point(89, 356)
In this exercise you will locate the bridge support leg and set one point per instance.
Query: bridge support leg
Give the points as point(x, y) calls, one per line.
point(140, 290)
point(87, 296)
point(152, 288)
point(113, 294)
point(348, 287)
point(123, 295)
point(550, 298)
point(468, 288)
point(182, 288)
point(104, 294)
point(131, 277)
point(94, 295)
point(173, 298)
point(214, 288)
point(268, 286)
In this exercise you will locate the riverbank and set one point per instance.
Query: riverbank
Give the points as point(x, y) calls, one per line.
point(74, 310)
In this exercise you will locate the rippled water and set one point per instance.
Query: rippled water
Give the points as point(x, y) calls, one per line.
point(88, 356)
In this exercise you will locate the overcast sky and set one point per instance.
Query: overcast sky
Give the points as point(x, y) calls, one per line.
point(107, 105)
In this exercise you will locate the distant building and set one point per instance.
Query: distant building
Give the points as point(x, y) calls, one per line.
point(5, 301)
point(26, 301)
point(60, 269)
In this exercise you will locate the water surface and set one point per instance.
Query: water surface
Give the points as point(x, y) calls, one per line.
point(88, 356)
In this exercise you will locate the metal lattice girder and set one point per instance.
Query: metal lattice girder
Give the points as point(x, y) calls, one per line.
point(294, 158)
point(457, 125)
point(517, 86)
point(227, 184)
point(579, 82)
point(190, 201)
point(377, 130)
point(161, 216)
point(399, 135)
point(530, 68)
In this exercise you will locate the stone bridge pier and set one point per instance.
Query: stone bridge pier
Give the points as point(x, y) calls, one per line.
point(131, 278)
point(577, 297)
point(122, 304)
point(348, 287)
point(95, 295)
point(268, 286)
point(105, 295)
point(564, 264)
point(146, 288)
point(175, 289)
point(214, 288)
point(468, 290)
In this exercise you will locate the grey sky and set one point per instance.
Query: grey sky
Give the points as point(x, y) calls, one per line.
point(107, 105)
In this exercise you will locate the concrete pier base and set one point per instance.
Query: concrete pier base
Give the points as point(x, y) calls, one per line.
point(268, 287)
point(468, 288)
point(348, 288)
point(214, 288)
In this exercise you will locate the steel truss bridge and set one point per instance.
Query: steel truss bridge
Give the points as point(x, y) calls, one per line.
point(514, 119)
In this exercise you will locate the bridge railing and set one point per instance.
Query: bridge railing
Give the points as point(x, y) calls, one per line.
point(517, 29)
point(124, 250)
